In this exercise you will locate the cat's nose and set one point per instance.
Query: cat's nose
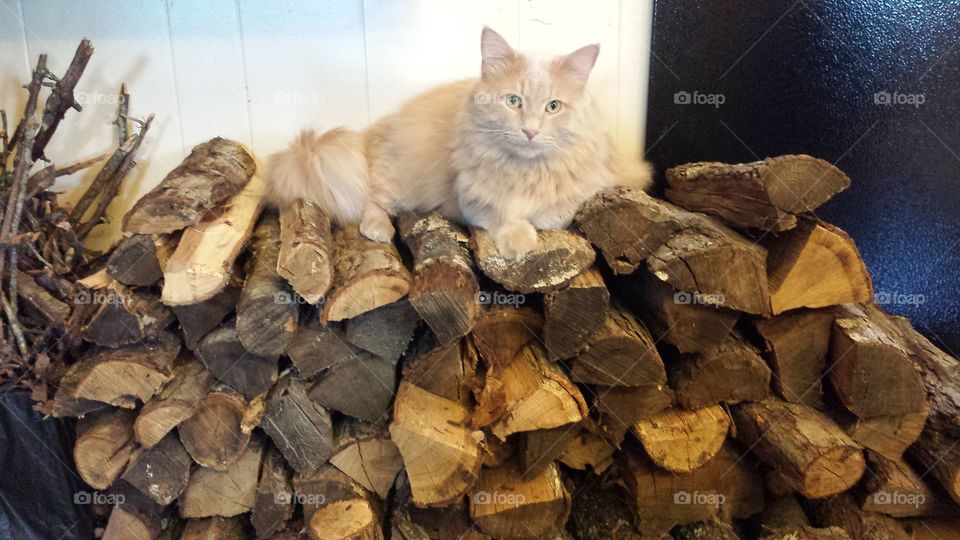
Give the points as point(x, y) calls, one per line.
point(530, 133)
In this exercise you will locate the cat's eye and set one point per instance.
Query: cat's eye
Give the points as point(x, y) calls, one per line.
point(554, 106)
point(514, 101)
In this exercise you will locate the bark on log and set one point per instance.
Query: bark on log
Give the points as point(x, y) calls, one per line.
point(503, 332)
point(316, 348)
point(161, 472)
point(213, 172)
point(361, 386)
point(213, 435)
point(273, 503)
point(300, 428)
point(366, 275)
point(203, 262)
point(444, 290)
point(622, 353)
point(120, 316)
point(797, 348)
point(895, 489)
point(224, 355)
point(365, 453)
point(197, 320)
point(682, 440)
point(842, 511)
point(504, 505)
point(139, 259)
point(815, 265)
point(176, 402)
point(351, 520)
point(305, 244)
point(730, 373)
point(574, 315)
point(440, 453)
point(762, 195)
point(784, 519)
point(226, 493)
point(600, 512)
point(267, 310)
point(324, 487)
point(872, 372)
point(809, 452)
point(446, 370)
point(49, 310)
point(385, 331)
point(104, 446)
point(560, 256)
point(619, 407)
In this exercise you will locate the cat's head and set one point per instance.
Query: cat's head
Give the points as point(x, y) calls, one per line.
point(531, 105)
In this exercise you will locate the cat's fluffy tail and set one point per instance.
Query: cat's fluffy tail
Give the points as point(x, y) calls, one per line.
point(329, 170)
point(633, 173)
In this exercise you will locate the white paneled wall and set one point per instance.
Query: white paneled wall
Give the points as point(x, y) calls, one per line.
point(259, 70)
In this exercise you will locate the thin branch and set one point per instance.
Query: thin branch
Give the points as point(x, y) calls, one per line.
point(123, 109)
point(61, 99)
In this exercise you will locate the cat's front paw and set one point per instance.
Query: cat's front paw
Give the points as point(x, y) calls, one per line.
point(515, 240)
point(377, 227)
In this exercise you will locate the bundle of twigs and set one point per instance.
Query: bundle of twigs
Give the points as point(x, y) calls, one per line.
point(41, 241)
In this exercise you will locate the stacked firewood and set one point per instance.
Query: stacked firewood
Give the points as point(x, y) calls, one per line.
point(719, 371)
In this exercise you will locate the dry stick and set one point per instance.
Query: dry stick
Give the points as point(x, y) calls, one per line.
point(61, 99)
point(45, 177)
point(33, 96)
point(123, 109)
point(4, 140)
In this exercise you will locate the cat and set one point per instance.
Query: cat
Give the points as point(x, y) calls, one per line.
point(519, 149)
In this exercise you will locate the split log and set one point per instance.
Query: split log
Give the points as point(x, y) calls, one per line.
point(588, 450)
point(325, 486)
point(49, 309)
point(620, 407)
point(316, 348)
point(538, 395)
point(727, 487)
point(353, 520)
point(444, 290)
point(842, 511)
point(385, 331)
point(120, 377)
point(730, 373)
point(361, 386)
point(784, 519)
point(560, 256)
point(161, 473)
point(224, 355)
point(120, 316)
point(197, 320)
point(504, 505)
point(503, 332)
point(412, 522)
point(214, 172)
point(682, 440)
point(442, 369)
point(139, 259)
point(815, 265)
point(366, 275)
point(176, 402)
point(266, 310)
point(135, 516)
point(811, 453)
point(440, 453)
point(763, 195)
point(228, 492)
point(872, 372)
point(213, 435)
point(895, 489)
point(126, 524)
point(215, 528)
point(273, 503)
point(574, 315)
point(365, 453)
point(675, 317)
point(300, 428)
point(889, 436)
point(540, 448)
point(797, 347)
point(622, 353)
point(305, 243)
point(600, 512)
point(104, 446)
point(203, 262)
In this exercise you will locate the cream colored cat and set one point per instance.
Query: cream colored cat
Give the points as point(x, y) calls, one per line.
point(519, 149)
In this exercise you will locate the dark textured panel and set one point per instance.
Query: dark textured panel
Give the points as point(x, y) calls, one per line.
point(803, 77)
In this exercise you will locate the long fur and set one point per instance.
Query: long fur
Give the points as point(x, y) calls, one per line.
point(463, 150)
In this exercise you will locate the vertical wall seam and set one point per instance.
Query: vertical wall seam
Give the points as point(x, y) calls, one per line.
point(246, 82)
point(23, 36)
point(173, 69)
point(619, 137)
point(366, 57)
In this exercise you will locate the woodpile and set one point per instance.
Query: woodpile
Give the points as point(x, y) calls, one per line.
point(709, 366)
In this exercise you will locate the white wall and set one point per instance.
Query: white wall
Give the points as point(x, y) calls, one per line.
point(258, 71)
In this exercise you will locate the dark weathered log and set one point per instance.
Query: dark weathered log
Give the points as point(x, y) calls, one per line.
point(621, 353)
point(119, 315)
point(600, 512)
point(365, 453)
point(808, 451)
point(815, 265)
point(197, 320)
point(440, 452)
point(361, 386)
point(137, 517)
point(325, 487)
point(213, 435)
point(504, 505)
point(560, 256)
point(797, 347)
point(300, 428)
point(160, 472)
point(315, 348)
point(213, 172)
point(619, 407)
point(232, 364)
point(872, 372)
point(104, 446)
point(366, 275)
point(784, 519)
point(574, 314)
point(760, 195)
point(228, 492)
point(730, 373)
point(50, 310)
point(176, 402)
point(273, 504)
point(139, 259)
point(444, 290)
point(443, 369)
point(412, 522)
point(842, 511)
point(385, 331)
point(334, 506)
point(681, 440)
point(305, 244)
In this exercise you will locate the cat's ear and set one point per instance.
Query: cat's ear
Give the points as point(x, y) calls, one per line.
point(496, 52)
point(578, 64)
